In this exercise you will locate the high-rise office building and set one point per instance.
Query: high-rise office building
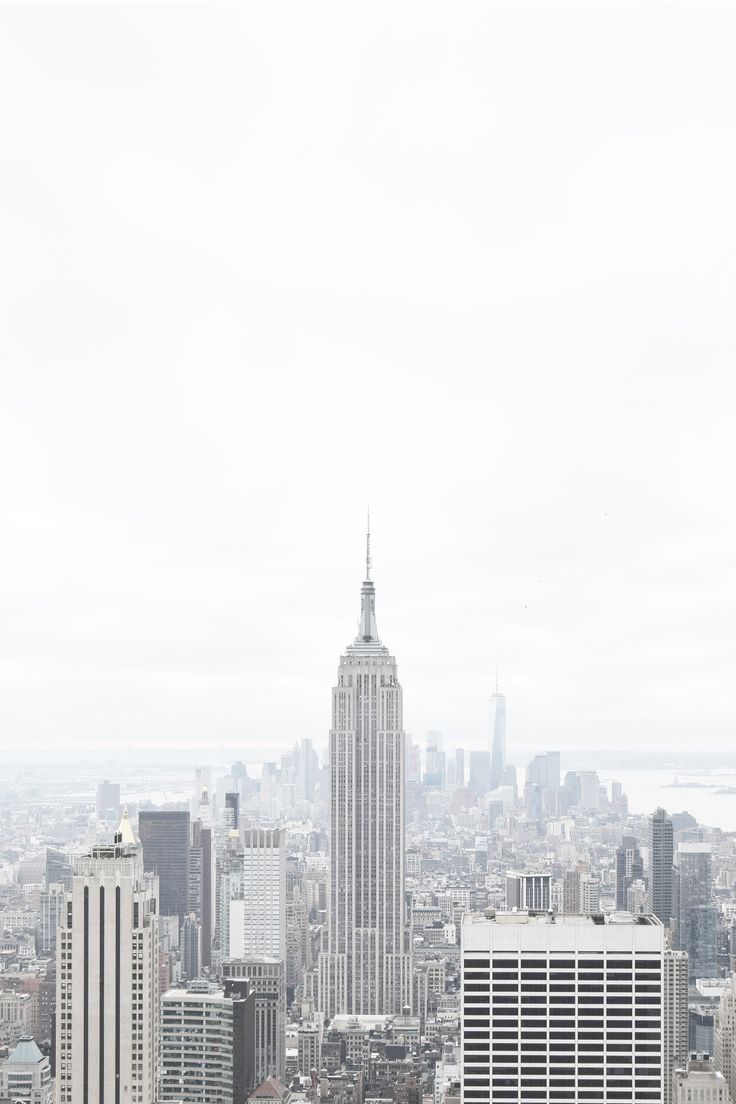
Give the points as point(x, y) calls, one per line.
point(629, 869)
point(190, 946)
point(479, 772)
point(367, 966)
point(58, 868)
point(267, 980)
point(435, 763)
point(459, 765)
point(207, 1045)
point(564, 1008)
point(232, 810)
point(52, 905)
point(108, 801)
point(257, 911)
point(542, 785)
point(497, 724)
point(202, 886)
point(696, 912)
point(165, 840)
point(107, 991)
point(660, 865)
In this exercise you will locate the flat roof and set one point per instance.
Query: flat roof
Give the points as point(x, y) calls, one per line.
point(564, 919)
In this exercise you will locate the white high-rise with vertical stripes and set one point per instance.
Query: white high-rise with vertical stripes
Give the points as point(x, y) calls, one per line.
point(367, 966)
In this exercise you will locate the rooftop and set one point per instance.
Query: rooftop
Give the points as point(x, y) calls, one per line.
point(562, 919)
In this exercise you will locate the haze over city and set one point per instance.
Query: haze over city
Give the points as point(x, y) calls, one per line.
point(489, 295)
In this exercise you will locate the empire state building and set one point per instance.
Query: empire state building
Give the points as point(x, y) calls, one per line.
point(366, 969)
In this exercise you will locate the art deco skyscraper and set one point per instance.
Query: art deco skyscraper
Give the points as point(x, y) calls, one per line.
point(367, 966)
point(107, 1006)
point(497, 719)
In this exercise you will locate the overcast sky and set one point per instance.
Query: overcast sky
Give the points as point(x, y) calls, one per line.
point(263, 266)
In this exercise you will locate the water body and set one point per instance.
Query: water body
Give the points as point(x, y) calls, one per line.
point(699, 792)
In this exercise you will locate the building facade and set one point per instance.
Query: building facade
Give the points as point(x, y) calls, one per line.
point(207, 1046)
point(366, 968)
point(165, 840)
point(107, 981)
point(562, 1008)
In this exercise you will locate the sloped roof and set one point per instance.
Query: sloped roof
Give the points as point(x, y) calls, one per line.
point(26, 1052)
point(270, 1089)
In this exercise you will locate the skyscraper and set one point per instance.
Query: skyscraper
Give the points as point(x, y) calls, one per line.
point(562, 1008)
point(367, 966)
point(257, 914)
point(202, 885)
point(697, 915)
point(267, 979)
point(629, 868)
point(107, 979)
point(497, 724)
point(165, 841)
point(207, 1045)
point(660, 865)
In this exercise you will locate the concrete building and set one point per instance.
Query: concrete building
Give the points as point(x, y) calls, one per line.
point(367, 965)
point(207, 1045)
point(202, 885)
point(517, 971)
point(660, 866)
point(700, 1083)
point(107, 982)
point(309, 1046)
point(25, 1076)
point(629, 869)
point(724, 1034)
point(165, 841)
point(675, 1020)
point(528, 891)
point(258, 913)
point(16, 1016)
point(267, 980)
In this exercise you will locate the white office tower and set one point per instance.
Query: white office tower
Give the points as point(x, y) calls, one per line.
point(700, 1083)
point(107, 979)
point(566, 1008)
point(497, 725)
point(367, 966)
point(25, 1076)
point(258, 912)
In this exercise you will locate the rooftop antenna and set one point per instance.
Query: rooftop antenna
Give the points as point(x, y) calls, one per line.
point(497, 678)
point(368, 547)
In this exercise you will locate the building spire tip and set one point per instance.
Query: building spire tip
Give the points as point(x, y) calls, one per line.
point(368, 547)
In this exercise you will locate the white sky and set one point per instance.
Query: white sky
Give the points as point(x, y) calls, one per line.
point(261, 266)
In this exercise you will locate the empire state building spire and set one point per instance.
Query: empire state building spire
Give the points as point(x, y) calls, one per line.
point(367, 641)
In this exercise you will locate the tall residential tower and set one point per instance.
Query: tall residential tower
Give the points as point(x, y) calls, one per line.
point(367, 966)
